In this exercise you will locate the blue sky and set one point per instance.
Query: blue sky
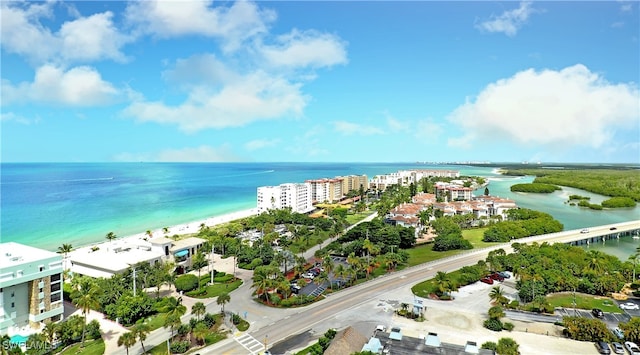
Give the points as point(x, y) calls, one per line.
point(320, 81)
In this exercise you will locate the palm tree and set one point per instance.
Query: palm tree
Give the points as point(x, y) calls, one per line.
point(165, 230)
point(321, 278)
point(65, 249)
point(127, 340)
point(140, 331)
point(261, 282)
point(199, 309)
point(85, 296)
point(223, 299)
point(443, 282)
point(173, 322)
point(111, 236)
point(198, 261)
point(340, 272)
point(497, 294)
point(149, 233)
point(200, 332)
point(49, 332)
point(634, 259)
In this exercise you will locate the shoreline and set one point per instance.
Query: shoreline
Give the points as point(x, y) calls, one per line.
point(192, 227)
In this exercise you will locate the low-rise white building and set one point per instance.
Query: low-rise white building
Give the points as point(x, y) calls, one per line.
point(30, 287)
point(407, 177)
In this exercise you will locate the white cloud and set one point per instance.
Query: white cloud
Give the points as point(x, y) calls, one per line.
point(13, 117)
point(252, 97)
point(396, 125)
point(234, 24)
point(308, 144)
point(427, 131)
point(626, 7)
point(306, 49)
point(617, 24)
point(79, 86)
point(572, 107)
point(509, 22)
point(257, 144)
point(203, 153)
point(350, 128)
point(83, 39)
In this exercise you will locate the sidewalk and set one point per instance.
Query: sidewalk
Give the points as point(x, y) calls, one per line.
point(109, 329)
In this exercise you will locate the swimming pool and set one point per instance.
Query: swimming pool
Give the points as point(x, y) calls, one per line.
point(18, 339)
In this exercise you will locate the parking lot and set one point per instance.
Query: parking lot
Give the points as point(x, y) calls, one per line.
point(314, 289)
point(611, 319)
point(631, 312)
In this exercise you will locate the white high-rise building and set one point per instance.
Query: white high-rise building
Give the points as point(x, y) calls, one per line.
point(295, 196)
point(30, 286)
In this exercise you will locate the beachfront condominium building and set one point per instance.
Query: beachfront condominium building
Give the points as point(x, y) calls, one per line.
point(290, 195)
point(354, 182)
point(326, 190)
point(30, 287)
point(407, 177)
point(452, 192)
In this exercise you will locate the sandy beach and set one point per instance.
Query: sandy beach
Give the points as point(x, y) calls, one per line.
point(180, 229)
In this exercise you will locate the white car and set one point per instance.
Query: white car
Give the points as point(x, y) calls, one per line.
point(632, 348)
point(629, 305)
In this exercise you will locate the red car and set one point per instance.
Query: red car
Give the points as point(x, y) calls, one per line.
point(496, 276)
point(487, 280)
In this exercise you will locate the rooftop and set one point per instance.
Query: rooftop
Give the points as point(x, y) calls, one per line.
point(429, 345)
point(112, 258)
point(16, 254)
point(186, 243)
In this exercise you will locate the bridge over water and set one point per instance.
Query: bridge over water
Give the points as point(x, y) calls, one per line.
point(584, 236)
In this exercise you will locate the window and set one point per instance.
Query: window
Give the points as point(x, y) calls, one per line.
point(55, 297)
point(13, 305)
point(41, 268)
point(13, 294)
point(55, 287)
point(55, 277)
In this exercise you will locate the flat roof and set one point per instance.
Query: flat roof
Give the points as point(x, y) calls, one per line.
point(114, 257)
point(160, 240)
point(17, 254)
point(186, 243)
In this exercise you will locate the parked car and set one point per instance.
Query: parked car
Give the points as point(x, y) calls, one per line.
point(504, 274)
point(496, 276)
point(603, 347)
point(632, 348)
point(629, 305)
point(308, 275)
point(617, 348)
point(381, 328)
point(617, 332)
point(597, 313)
point(487, 280)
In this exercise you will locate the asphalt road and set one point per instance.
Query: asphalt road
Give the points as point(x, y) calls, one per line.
point(380, 288)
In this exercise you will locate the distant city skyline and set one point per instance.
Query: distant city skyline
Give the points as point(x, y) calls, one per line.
point(357, 81)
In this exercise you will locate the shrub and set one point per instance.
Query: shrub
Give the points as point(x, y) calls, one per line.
point(513, 304)
point(534, 187)
point(223, 278)
point(209, 320)
point(507, 346)
point(489, 345)
point(179, 347)
point(493, 324)
point(235, 318)
point(507, 326)
point(186, 282)
point(93, 329)
point(195, 293)
point(616, 202)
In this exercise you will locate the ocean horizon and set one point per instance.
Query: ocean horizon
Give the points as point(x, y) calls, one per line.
point(47, 204)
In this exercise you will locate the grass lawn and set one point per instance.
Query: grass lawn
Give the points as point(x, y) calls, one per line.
point(424, 253)
point(217, 288)
point(475, 237)
point(90, 348)
point(160, 349)
point(156, 321)
point(357, 217)
point(583, 302)
point(425, 288)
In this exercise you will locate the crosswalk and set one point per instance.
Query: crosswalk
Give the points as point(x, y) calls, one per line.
point(250, 343)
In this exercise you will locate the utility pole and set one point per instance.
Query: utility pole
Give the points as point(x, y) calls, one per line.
point(134, 280)
point(213, 255)
point(265, 342)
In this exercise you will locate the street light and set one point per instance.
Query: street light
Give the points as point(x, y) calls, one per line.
point(213, 254)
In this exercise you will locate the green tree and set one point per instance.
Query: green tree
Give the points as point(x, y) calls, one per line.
point(173, 322)
point(111, 236)
point(85, 295)
point(200, 332)
point(199, 309)
point(497, 295)
point(507, 346)
point(140, 331)
point(496, 312)
point(443, 282)
point(49, 332)
point(198, 261)
point(65, 249)
point(127, 340)
point(262, 282)
point(223, 299)
point(631, 330)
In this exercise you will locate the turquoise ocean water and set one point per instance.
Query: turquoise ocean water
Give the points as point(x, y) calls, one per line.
point(47, 204)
